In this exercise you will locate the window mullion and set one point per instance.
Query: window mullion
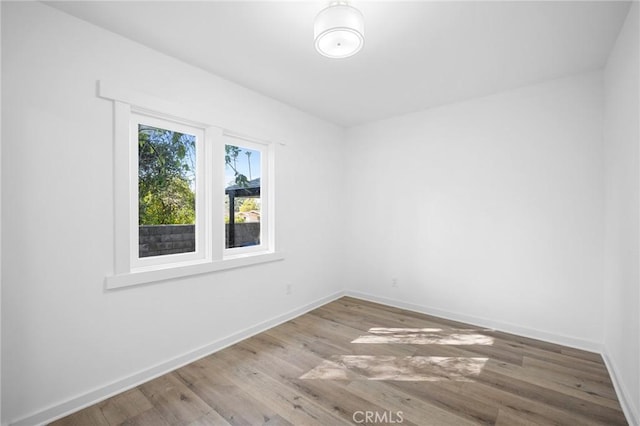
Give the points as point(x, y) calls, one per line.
point(216, 177)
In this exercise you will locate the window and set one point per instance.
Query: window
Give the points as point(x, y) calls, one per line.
point(189, 197)
point(167, 198)
point(245, 207)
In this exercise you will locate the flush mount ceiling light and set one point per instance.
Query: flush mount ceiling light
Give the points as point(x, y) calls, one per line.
point(339, 30)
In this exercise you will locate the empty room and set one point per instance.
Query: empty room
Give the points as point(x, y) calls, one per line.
point(320, 213)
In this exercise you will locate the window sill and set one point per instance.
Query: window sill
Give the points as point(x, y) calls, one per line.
point(151, 276)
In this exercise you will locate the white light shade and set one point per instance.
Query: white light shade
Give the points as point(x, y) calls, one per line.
point(339, 31)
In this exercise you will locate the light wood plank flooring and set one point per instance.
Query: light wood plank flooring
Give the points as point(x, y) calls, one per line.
point(357, 362)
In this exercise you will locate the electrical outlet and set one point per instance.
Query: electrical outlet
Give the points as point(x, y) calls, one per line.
point(394, 282)
point(289, 289)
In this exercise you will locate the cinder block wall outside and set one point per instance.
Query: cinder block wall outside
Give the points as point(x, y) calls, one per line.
point(158, 240)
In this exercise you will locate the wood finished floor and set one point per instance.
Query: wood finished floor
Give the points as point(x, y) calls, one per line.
point(352, 357)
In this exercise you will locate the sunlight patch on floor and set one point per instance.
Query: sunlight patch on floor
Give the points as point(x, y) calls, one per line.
point(408, 368)
point(424, 336)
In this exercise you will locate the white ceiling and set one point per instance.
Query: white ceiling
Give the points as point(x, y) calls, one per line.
point(417, 54)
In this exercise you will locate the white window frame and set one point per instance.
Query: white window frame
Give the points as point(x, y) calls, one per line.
point(210, 255)
point(203, 186)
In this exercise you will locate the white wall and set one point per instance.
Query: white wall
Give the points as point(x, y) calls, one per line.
point(62, 334)
point(622, 211)
point(489, 210)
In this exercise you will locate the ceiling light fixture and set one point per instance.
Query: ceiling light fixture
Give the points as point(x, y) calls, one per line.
point(339, 30)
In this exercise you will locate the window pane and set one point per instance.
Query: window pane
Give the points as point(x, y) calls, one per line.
point(166, 191)
point(242, 196)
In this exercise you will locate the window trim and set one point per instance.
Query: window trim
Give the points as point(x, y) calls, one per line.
point(125, 271)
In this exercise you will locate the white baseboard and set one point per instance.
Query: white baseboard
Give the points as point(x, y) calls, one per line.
point(483, 322)
point(89, 398)
point(629, 407)
point(92, 397)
